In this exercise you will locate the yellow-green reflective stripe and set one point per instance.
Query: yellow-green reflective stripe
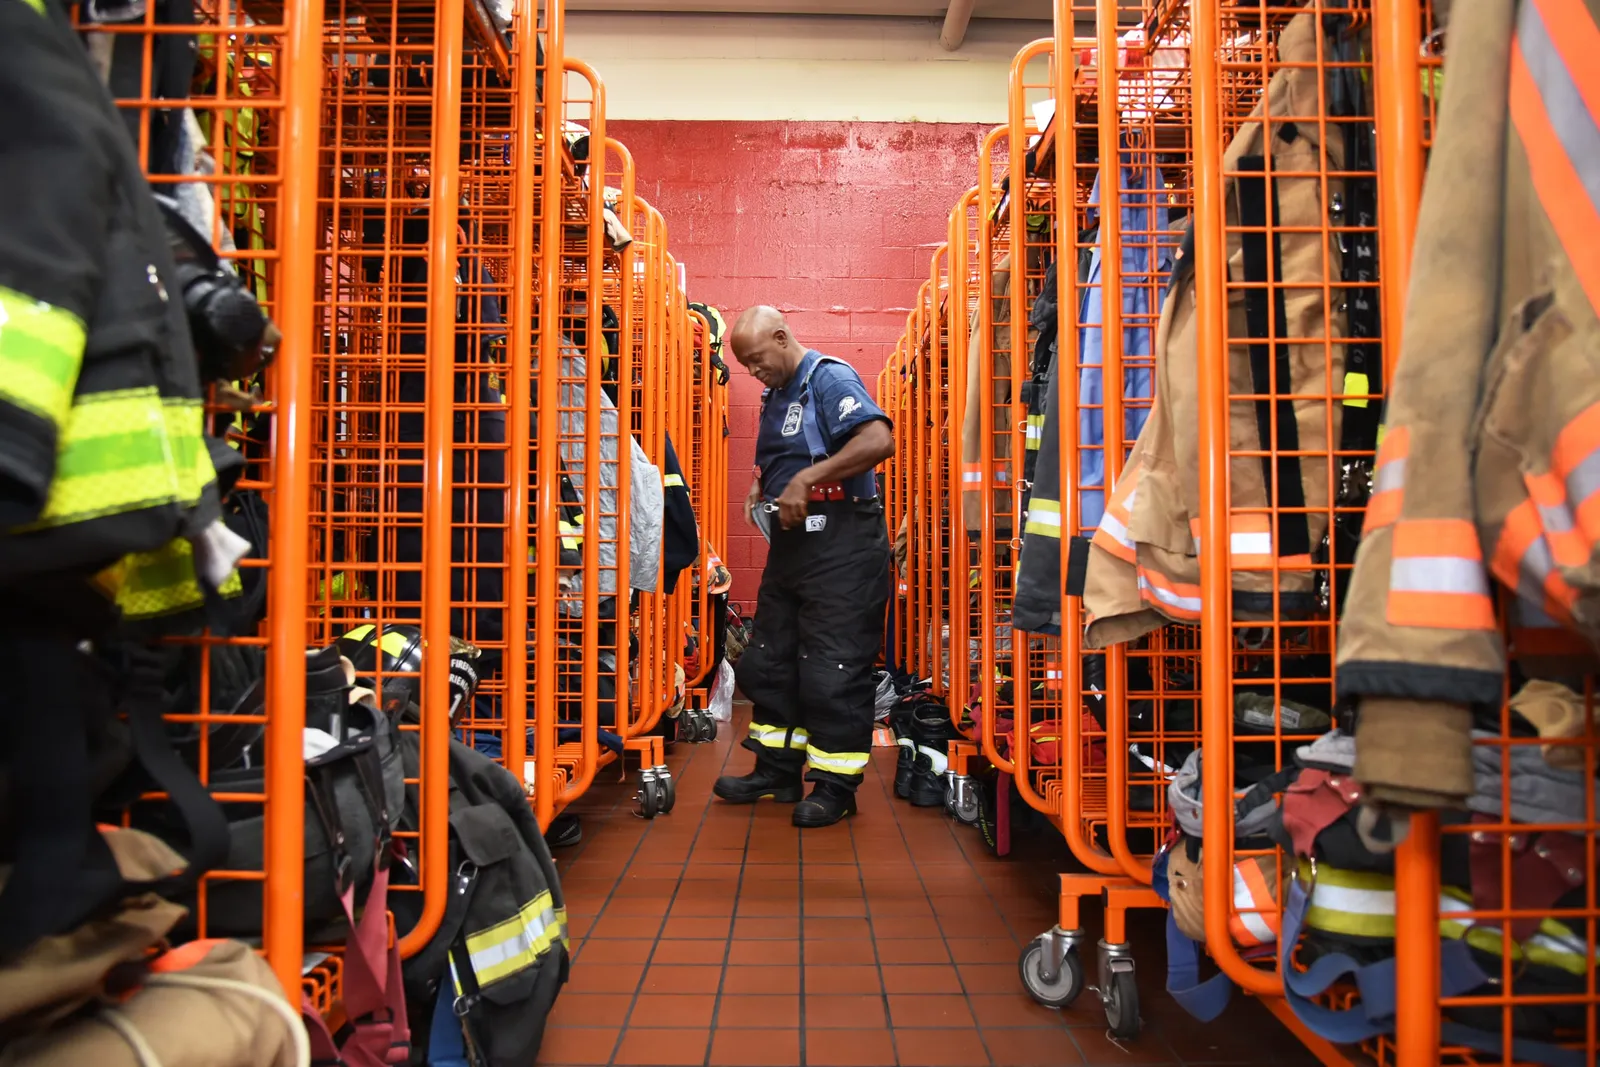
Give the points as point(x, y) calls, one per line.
point(164, 582)
point(837, 762)
point(338, 588)
point(1044, 518)
point(1361, 904)
point(185, 423)
point(779, 736)
point(571, 536)
point(1034, 432)
point(37, 5)
point(41, 349)
point(517, 943)
point(673, 480)
point(114, 457)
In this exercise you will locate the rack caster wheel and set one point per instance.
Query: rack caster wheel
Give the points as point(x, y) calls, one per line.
point(649, 796)
point(667, 790)
point(1119, 993)
point(1047, 984)
point(963, 799)
point(1121, 1000)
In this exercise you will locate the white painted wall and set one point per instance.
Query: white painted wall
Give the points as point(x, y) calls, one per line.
point(803, 68)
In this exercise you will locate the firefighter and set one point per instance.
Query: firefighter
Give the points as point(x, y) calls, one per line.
point(819, 616)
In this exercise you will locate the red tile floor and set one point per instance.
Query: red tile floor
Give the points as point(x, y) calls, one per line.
point(723, 936)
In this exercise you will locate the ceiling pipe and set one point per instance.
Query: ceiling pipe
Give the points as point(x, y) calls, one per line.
point(957, 17)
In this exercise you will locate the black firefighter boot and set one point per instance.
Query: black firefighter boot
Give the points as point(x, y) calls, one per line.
point(828, 803)
point(770, 780)
point(931, 733)
point(900, 724)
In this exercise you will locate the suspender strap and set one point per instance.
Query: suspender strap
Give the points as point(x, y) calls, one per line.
point(1363, 359)
point(1268, 316)
point(1206, 1000)
point(861, 485)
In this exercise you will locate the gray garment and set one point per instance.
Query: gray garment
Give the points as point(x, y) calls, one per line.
point(1186, 801)
point(195, 201)
point(1539, 792)
point(1334, 751)
point(646, 504)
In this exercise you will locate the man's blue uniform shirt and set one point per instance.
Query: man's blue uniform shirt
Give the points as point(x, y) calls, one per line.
point(842, 406)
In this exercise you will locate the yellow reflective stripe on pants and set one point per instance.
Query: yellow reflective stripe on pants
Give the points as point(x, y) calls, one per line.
point(114, 456)
point(836, 762)
point(41, 352)
point(672, 480)
point(517, 943)
point(780, 736)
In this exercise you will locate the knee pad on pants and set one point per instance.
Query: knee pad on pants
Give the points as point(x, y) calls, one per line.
point(755, 673)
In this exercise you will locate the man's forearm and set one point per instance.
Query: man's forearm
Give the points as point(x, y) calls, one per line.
point(869, 446)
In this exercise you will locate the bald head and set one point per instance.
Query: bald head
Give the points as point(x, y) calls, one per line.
point(763, 345)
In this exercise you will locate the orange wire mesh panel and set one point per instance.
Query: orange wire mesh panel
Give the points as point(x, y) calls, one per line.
point(593, 467)
point(965, 577)
point(988, 433)
point(705, 478)
point(409, 426)
point(234, 149)
point(1493, 921)
point(630, 385)
point(1281, 308)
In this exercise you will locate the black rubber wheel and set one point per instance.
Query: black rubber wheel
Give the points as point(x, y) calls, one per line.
point(668, 794)
point(1057, 993)
point(649, 799)
point(966, 808)
point(1122, 1005)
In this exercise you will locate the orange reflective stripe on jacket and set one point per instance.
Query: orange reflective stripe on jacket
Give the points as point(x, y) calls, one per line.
point(1549, 496)
point(1052, 672)
point(1255, 913)
point(1575, 461)
point(1112, 533)
point(1178, 600)
point(1436, 576)
point(1523, 562)
point(1555, 94)
point(1250, 543)
point(1388, 480)
point(972, 476)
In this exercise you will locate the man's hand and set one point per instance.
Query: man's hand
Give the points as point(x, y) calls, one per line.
point(793, 504)
point(752, 500)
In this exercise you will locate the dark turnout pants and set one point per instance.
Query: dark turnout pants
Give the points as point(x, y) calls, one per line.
point(818, 630)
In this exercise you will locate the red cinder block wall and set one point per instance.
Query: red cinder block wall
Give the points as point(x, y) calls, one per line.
point(831, 222)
